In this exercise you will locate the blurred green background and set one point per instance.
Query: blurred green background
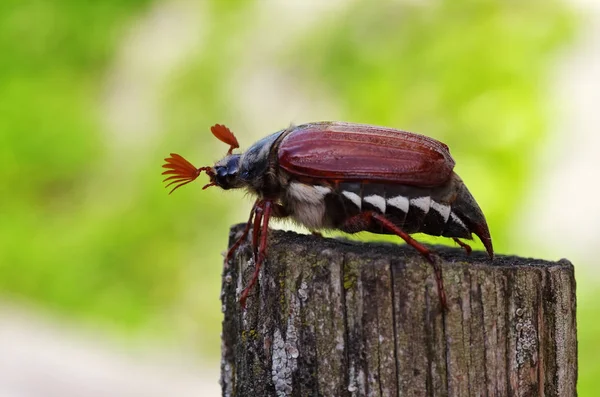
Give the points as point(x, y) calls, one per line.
point(93, 95)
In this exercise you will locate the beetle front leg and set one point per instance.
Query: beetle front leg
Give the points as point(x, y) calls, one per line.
point(258, 216)
point(259, 237)
point(276, 211)
point(263, 213)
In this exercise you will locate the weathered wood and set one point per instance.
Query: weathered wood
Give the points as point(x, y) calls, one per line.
point(338, 318)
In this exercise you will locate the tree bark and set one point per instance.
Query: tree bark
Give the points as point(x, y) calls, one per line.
point(338, 318)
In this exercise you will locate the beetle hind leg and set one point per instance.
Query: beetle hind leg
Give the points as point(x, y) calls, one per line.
point(387, 224)
point(466, 246)
point(365, 219)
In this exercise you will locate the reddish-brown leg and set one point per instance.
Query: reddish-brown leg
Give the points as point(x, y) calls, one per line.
point(240, 240)
point(264, 214)
point(466, 246)
point(365, 219)
point(258, 216)
point(383, 221)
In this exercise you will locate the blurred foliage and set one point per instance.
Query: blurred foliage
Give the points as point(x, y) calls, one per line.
point(87, 229)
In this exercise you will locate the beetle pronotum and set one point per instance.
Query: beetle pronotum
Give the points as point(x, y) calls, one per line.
point(348, 177)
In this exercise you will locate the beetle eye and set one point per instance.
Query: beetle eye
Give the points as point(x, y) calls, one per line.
point(221, 172)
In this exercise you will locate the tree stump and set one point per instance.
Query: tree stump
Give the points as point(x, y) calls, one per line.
point(332, 317)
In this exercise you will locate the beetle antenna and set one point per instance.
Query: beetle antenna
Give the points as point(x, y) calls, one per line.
point(183, 172)
point(225, 135)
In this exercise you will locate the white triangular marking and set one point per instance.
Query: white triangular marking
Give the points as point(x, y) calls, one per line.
point(442, 209)
point(376, 201)
point(399, 202)
point(307, 193)
point(422, 203)
point(355, 198)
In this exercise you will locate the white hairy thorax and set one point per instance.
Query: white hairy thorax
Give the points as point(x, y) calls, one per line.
point(307, 204)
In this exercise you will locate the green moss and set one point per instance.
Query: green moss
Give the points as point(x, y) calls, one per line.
point(251, 334)
point(349, 282)
point(350, 275)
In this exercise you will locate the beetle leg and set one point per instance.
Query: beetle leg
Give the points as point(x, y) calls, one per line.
point(258, 216)
point(264, 214)
point(386, 223)
point(241, 239)
point(466, 246)
point(365, 219)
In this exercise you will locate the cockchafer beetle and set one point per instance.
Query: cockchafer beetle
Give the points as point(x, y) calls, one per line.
point(348, 177)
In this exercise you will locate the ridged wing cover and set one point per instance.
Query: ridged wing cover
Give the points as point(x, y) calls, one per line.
point(358, 152)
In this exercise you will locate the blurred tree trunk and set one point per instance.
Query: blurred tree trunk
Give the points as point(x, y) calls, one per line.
point(338, 318)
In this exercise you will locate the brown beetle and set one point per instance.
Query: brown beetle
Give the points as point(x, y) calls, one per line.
point(348, 177)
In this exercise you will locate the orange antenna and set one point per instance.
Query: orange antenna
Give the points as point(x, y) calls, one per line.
point(225, 135)
point(183, 172)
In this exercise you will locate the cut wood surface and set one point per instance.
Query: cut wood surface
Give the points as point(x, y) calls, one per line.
point(338, 318)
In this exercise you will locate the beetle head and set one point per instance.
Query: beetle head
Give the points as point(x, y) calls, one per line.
point(224, 174)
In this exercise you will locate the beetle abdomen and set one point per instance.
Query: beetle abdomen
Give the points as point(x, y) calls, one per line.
point(448, 210)
point(426, 210)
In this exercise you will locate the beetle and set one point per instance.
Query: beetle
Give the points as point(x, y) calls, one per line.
point(348, 177)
